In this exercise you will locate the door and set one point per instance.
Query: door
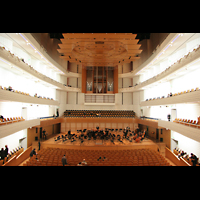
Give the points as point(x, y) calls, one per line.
point(40, 132)
point(157, 134)
point(173, 114)
point(24, 113)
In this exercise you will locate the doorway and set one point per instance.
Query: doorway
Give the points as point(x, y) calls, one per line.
point(173, 114)
point(157, 134)
point(24, 113)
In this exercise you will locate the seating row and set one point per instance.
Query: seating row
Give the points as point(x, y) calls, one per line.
point(185, 156)
point(188, 122)
point(172, 65)
point(24, 93)
point(175, 94)
point(10, 120)
point(99, 113)
point(135, 157)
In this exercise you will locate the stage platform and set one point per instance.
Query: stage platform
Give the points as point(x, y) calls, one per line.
point(100, 144)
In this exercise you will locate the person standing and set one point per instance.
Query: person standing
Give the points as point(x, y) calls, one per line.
point(64, 160)
point(2, 154)
point(6, 150)
point(33, 152)
point(193, 159)
point(39, 145)
point(44, 135)
point(168, 117)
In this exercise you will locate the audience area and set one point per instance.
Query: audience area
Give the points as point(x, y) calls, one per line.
point(4, 121)
point(193, 160)
point(133, 157)
point(24, 93)
point(5, 156)
point(175, 94)
point(188, 122)
point(99, 113)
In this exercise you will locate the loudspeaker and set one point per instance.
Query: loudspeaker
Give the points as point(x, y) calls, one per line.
point(161, 139)
point(36, 138)
point(36, 130)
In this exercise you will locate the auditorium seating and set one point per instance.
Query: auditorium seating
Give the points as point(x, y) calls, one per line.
point(99, 113)
point(133, 157)
point(188, 122)
point(186, 157)
point(175, 94)
point(24, 93)
point(11, 120)
point(14, 152)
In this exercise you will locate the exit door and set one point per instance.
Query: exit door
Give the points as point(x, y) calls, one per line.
point(157, 134)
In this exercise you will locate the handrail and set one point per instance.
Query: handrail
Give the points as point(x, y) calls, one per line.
point(16, 160)
point(173, 158)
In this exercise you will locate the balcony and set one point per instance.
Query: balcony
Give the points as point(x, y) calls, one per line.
point(30, 71)
point(191, 57)
point(99, 99)
point(181, 98)
point(6, 95)
point(190, 132)
point(11, 128)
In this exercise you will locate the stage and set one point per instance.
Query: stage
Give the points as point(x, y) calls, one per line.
point(100, 144)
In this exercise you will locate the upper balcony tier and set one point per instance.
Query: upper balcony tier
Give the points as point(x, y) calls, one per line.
point(190, 132)
point(186, 60)
point(190, 97)
point(11, 128)
point(6, 95)
point(11, 59)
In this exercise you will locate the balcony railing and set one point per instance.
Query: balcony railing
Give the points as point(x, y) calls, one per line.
point(100, 98)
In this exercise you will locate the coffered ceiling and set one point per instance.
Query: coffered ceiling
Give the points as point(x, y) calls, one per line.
point(99, 49)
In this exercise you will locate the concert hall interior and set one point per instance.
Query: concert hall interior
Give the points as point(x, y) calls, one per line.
point(100, 99)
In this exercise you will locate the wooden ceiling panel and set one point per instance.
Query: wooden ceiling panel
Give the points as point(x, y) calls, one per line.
point(106, 49)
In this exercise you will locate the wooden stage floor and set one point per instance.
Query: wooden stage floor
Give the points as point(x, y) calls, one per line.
point(100, 144)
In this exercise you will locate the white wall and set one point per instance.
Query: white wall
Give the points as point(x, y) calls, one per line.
point(186, 82)
point(10, 109)
point(13, 140)
point(188, 111)
point(162, 89)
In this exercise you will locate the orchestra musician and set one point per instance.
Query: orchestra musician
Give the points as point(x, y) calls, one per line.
point(143, 135)
point(135, 136)
point(125, 132)
point(106, 134)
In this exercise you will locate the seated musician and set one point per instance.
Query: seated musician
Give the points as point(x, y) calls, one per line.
point(143, 135)
point(69, 132)
point(125, 132)
point(135, 136)
point(138, 139)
